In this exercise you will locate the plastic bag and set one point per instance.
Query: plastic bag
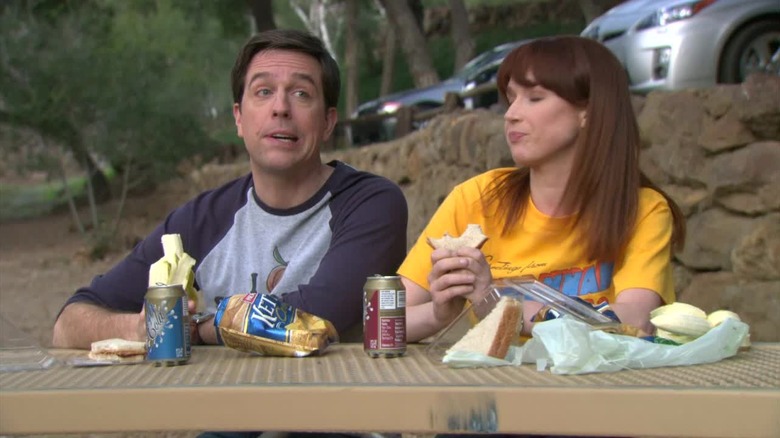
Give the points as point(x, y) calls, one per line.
point(573, 347)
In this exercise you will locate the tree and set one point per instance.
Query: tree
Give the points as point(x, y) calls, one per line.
point(263, 14)
point(351, 56)
point(461, 35)
point(39, 83)
point(129, 83)
point(412, 41)
point(323, 18)
point(388, 62)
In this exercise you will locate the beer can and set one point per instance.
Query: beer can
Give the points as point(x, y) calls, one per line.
point(167, 325)
point(384, 316)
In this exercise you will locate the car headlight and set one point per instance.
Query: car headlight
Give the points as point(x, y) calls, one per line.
point(390, 107)
point(668, 15)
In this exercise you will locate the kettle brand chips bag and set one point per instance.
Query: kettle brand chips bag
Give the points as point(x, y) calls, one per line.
point(262, 323)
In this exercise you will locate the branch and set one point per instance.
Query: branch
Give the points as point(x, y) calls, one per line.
point(123, 196)
point(68, 194)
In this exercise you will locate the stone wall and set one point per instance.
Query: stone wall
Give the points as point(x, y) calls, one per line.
point(715, 151)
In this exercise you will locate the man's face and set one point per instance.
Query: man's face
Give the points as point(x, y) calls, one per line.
point(282, 116)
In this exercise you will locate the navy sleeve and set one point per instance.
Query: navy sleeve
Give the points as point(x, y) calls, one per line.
point(201, 222)
point(369, 237)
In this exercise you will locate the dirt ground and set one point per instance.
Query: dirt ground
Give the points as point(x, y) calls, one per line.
point(44, 260)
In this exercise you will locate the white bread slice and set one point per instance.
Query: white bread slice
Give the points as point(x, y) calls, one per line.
point(111, 349)
point(493, 335)
point(473, 237)
point(111, 357)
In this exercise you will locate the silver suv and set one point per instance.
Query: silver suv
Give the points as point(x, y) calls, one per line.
point(674, 44)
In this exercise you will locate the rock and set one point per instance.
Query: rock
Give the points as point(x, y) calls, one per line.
point(756, 302)
point(718, 101)
point(757, 255)
point(747, 170)
point(671, 117)
point(682, 277)
point(759, 106)
point(711, 236)
point(690, 200)
point(680, 159)
point(747, 203)
point(727, 132)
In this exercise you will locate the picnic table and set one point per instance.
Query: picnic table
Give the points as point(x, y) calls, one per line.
point(345, 390)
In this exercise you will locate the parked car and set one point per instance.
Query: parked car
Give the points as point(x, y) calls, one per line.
point(674, 44)
point(479, 70)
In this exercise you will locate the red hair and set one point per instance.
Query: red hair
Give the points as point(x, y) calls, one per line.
point(604, 183)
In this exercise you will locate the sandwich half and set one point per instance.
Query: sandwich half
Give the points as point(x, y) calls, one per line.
point(495, 333)
point(118, 350)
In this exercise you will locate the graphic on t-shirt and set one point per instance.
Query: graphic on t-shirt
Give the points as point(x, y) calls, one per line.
point(275, 276)
point(580, 281)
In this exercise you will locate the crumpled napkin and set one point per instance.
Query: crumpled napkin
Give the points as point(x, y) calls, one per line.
point(573, 347)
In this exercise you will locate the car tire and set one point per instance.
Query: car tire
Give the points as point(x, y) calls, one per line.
point(740, 51)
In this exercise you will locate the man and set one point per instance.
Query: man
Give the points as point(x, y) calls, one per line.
point(310, 232)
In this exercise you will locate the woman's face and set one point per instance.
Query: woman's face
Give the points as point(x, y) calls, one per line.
point(541, 128)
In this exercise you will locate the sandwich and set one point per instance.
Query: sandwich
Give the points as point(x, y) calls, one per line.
point(473, 237)
point(118, 350)
point(496, 332)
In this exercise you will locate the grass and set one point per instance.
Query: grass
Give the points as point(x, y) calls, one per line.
point(28, 201)
point(18, 202)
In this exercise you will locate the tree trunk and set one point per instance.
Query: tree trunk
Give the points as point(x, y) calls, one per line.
point(70, 138)
point(263, 14)
point(351, 57)
point(461, 35)
point(388, 62)
point(412, 42)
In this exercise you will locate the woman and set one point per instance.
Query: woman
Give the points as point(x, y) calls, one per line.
point(576, 212)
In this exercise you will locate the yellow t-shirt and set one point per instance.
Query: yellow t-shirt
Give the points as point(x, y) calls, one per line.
point(543, 246)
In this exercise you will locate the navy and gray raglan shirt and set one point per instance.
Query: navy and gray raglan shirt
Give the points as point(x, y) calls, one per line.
point(315, 256)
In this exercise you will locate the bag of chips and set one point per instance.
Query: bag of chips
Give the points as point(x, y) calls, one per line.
point(264, 324)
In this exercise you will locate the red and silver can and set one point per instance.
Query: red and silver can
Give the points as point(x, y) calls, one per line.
point(167, 325)
point(384, 316)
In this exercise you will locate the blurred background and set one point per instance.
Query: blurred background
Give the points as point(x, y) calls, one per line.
point(112, 112)
point(123, 92)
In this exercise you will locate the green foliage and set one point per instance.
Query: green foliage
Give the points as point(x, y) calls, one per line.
point(135, 84)
point(146, 82)
point(167, 72)
point(129, 81)
point(474, 3)
point(285, 16)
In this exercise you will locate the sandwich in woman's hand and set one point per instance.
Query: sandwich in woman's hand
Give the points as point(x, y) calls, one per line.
point(473, 237)
point(496, 332)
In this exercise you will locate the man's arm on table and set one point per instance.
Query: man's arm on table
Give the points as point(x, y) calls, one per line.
point(80, 324)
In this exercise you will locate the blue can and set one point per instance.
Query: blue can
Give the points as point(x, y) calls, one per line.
point(167, 325)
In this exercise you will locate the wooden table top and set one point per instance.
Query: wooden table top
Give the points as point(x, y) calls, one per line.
point(345, 390)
